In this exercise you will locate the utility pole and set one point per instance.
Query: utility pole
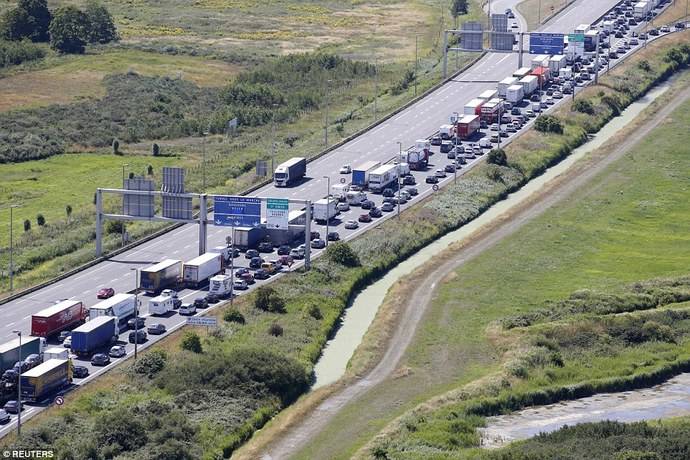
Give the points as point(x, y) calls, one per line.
point(397, 180)
point(273, 141)
point(455, 168)
point(136, 311)
point(12, 206)
point(328, 204)
point(203, 174)
point(124, 224)
point(19, 388)
point(596, 64)
point(325, 129)
point(416, 62)
point(376, 83)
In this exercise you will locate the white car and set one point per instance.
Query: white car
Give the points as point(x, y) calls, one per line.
point(118, 351)
point(343, 207)
point(351, 224)
point(67, 342)
point(345, 169)
point(440, 173)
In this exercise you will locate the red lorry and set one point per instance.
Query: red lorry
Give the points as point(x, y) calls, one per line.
point(61, 316)
point(467, 126)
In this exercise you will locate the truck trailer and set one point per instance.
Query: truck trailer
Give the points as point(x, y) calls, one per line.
point(543, 75)
point(515, 94)
point(198, 270)
point(324, 210)
point(540, 61)
point(488, 95)
point(521, 72)
point(360, 174)
point(556, 63)
point(161, 305)
point(160, 276)
point(467, 126)
point(9, 351)
point(474, 107)
point(418, 156)
point(221, 285)
point(504, 84)
point(491, 111)
point(289, 172)
point(247, 237)
point(382, 177)
point(93, 335)
point(56, 353)
point(529, 84)
point(61, 316)
point(121, 306)
point(46, 379)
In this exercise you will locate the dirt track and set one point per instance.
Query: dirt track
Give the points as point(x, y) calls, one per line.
point(555, 191)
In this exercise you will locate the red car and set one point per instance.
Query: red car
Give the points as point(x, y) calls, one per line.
point(364, 218)
point(105, 293)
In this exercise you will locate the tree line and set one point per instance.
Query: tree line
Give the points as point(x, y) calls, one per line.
point(68, 29)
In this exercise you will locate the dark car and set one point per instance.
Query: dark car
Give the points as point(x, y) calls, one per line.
point(136, 323)
point(314, 235)
point(387, 207)
point(4, 417)
point(436, 140)
point(446, 146)
point(375, 212)
point(256, 262)
point(318, 244)
point(515, 111)
point(364, 218)
point(10, 375)
point(138, 336)
point(80, 372)
point(156, 329)
point(535, 97)
point(105, 293)
point(100, 359)
point(388, 192)
point(367, 204)
point(284, 250)
point(412, 191)
point(251, 253)
point(200, 302)
point(240, 271)
point(431, 180)
point(409, 180)
point(248, 278)
point(63, 335)
point(333, 236)
point(12, 407)
point(212, 297)
point(450, 168)
point(262, 274)
point(265, 247)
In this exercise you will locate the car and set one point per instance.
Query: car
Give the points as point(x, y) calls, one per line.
point(212, 297)
point(262, 274)
point(33, 360)
point(388, 192)
point(284, 250)
point(665, 29)
point(511, 129)
point(375, 212)
point(409, 180)
point(256, 262)
point(549, 92)
point(80, 372)
point(367, 204)
point(654, 32)
point(364, 218)
point(314, 236)
point(503, 133)
point(431, 179)
point(387, 207)
point(333, 236)
point(63, 335)
point(343, 207)
point(412, 191)
point(493, 127)
point(544, 104)
point(530, 113)
point(495, 138)
point(557, 95)
point(451, 155)
point(440, 173)
point(12, 407)
point(67, 343)
point(265, 247)
point(136, 323)
point(297, 253)
point(405, 195)
point(10, 375)
point(4, 416)
point(138, 336)
point(634, 41)
point(436, 140)
point(249, 278)
point(240, 285)
point(118, 351)
point(567, 90)
point(187, 309)
point(100, 359)
point(643, 36)
point(105, 293)
point(450, 168)
point(241, 271)
point(156, 329)
point(251, 253)
point(351, 224)
point(318, 244)
point(345, 169)
point(680, 25)
point(285, 260)
point(618, 34)
point(536, 97)
point(515, 111)
point(200, 302)
point(446, 146)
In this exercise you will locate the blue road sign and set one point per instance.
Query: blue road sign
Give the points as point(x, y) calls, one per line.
point(236, 211)
point(546, 43)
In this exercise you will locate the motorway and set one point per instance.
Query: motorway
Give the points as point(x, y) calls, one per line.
point(420, 120)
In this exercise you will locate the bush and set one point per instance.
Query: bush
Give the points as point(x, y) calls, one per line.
point(113, 227)
point(497, 157)
point(101, 27)
point(116, 147)
point(69, 30)
point(341, 253)
point(191, 342)
point(315, 312)
point(40, 220)
point(549, 124)
point(151, 363)
point(583, 106)
point(276, 330)
point(233, 315)
point(15, 53)
point(267, 299)
point(149, 170)
point(27, 225)
point(155, 150)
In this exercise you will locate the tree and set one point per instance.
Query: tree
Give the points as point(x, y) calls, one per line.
point(116, 147)
point(40, 220)
point(497, 157)
point(233, 315)
point(27, 225)
point(101, 27)
point(191, 342)
point(149, 170)
point(583, 106)
point(16, 24)
point(40, 17)
point(68, 30)
point(155, 150)
point(549, 124)
point(458, 7)
point(68, 211)
point(267, 299)
point(341, 253)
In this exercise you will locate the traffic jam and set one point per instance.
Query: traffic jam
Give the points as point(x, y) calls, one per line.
point(70, 343)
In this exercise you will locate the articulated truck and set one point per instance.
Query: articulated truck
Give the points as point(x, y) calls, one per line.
point(198, 270)
point(160, 276)
point(290, 172)
point(45, 379)
point(121, 306)
point(93, 335)
point(61, 316)
point(9, 352)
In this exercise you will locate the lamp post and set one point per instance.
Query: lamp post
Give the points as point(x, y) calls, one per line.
point(457, 136)
point(325, 129)
point(19, 387)
point(12, 246)
point(136, 311)
point(397, 180)
point(203, 161)
point(124, 225)
point(273, 141)
point(328, 204)
point(416, 62)
point(539, 14)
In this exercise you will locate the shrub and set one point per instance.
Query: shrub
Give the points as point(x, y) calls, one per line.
point(15, 53)
point(584, 106)
point(155, 150)
point(27, 225)
point(68, 211)
point(40, 220)
point(101, 27)
point(315, 312)
point(276, 330)
point(549, 124)
point(191, 342)
point(116, 147)
point(644, 65)
point(114, 227)
point(233, 315)
point(149, 170)
point(267, 299)
point(151, 363)
point(341, 253)
point(69, 30)
point(497, 157)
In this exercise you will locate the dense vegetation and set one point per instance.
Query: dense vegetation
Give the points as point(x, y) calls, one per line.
point(17, 52)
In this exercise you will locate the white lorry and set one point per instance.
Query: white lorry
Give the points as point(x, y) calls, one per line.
point(220, 285)
point(198, 270)
point(504, 84)
point(339, 191)
point(56, 353)
point(161, 305)
point(382, 177)
point(120, 306)
point(355, 198)
point(325, 209)
point(515, 94)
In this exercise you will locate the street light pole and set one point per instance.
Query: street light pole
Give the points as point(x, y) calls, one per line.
point(203, 161)
point(12, 246)
point(416, 62)
point(397, 180)
point(328, 204)
point(539, 14)
point(455, 169)
point(136, 311)
point(376, 84)
point(124, 225)
point(19, 387)
point(325, 129)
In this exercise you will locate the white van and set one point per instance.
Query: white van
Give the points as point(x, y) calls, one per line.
point(356, 198)
point(485, 143)
point(160, 305)
point(536, 107)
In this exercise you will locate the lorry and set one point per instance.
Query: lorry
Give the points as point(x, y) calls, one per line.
point(556, 63)
point(225, 253)
point(289, 172)
point(221, 285)
point(356, 198)
point(488, 94)
point(247, 237)
point(339, 191)
point(467, 126)
point(360, 174)
point(418, 159)
point(161, 305)
point(608, 26)
point(160, 276)
point(504, 84)
point(94, 334)
point(324, 210)
point(591, 41)
point(446, 132)
point(474, 107)
point(529, 84)
point(61, 316)
point(543, 75)
point(121, 306)
point(46, 379)
point(582, 29)
point(382, 177)
point(491, 111)
point(56, 353)
point(515, 94)
point(521, 72)
point(641, 9)
point(9, 351)
point(198, 270)
point(540, 61)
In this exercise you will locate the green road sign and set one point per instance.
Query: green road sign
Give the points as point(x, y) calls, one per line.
point(277, 210)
